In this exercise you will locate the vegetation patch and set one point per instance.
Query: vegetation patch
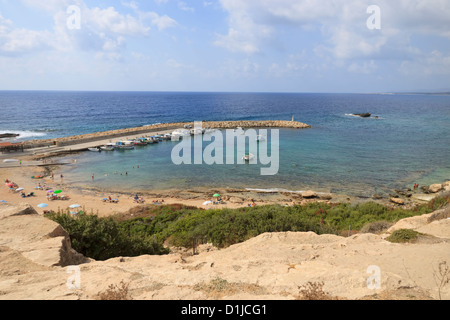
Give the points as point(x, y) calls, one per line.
point(403, 236)
point(157, 227)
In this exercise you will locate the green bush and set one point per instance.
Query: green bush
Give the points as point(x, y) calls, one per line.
point(103, 238)
point(403, 235)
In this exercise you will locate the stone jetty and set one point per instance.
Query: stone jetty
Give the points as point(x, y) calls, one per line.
point(160, 128)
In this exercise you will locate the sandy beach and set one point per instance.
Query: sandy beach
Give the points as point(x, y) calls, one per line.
point(91, 200)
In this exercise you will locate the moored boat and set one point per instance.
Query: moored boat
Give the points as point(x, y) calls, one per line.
point(248, 157)
point(125, 145)
point(108, 147)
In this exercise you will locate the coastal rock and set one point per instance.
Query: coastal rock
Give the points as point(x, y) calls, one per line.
point(40, 240)
point(363, 115)
point(326, 197)
point(309, 194)
point(397, 201)
point(22, 209)
point(446, 186)
point(289, 260)
point(236, 200)
point(435, 188)
point(377, 197)
point(8, 135)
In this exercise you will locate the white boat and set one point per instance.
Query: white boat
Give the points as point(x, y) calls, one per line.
point(197, 131)
point(95, 149)
point(179, 133)
point(108, 147)
point(260, 138)
point(248, 157)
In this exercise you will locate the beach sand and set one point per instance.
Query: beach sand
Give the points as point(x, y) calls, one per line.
point(90, 200)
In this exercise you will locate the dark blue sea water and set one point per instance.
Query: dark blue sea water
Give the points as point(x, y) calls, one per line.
point(409, 142)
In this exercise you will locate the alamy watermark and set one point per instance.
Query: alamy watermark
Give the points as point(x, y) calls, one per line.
point(374, 280)
point(74, 17)
point(234, 143)
point(74, 280)
point(374, 21)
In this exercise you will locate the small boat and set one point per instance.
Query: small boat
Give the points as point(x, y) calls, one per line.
point(197, 131)
point(260, 138)
point(125, 145)
point(140, 142)
point(95, 149)
point(248, 157)
point(108, 147)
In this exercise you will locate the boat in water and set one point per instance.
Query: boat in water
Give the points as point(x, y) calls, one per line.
point(260, 138)
point(248, 157)
point(140, 142)
point(125, 145)
point(108, 147)
point(95, 149)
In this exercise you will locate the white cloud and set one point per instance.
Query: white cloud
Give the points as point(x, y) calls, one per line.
point(102, 29)
point(183, 6)
point(342, 24)
point(15, 41)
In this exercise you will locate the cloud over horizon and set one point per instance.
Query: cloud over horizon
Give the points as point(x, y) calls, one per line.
point(305, 45)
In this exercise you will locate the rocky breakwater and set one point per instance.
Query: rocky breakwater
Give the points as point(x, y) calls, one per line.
point(152, 129)
point(256, 124)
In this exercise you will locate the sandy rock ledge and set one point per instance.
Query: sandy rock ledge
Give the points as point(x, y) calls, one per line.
point(35, 254)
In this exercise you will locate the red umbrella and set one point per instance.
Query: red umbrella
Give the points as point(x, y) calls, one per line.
point(9, 185)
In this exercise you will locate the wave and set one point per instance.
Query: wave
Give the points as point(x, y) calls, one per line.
point(273, 190)
point(375, 117)
point(276, 190)
point(26, 134)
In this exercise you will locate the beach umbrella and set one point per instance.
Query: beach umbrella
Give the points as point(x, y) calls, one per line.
point(43, 205)
point(3, 201)
point(216, 195)
point(50, 191)
point(57, 191)
point(207, 202)
point(10, 185)
point(74, 206)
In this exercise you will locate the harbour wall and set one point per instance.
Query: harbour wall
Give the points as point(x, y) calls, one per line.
point(159, 128)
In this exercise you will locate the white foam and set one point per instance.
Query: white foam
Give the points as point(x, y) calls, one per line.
point(273, 190)
point(24, 134)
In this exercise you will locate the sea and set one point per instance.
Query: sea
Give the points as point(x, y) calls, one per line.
point(406, 141)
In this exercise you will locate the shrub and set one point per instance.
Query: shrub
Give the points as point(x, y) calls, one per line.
point(403, 236)
point(103, 238)
point(376, 227)
point(115, 292)
point(313, 291)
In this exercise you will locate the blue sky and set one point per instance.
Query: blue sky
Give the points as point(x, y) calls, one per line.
point(225, 45)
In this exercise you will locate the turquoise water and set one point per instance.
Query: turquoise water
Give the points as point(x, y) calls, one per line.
point(407, 144)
